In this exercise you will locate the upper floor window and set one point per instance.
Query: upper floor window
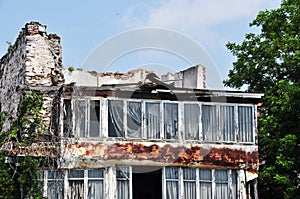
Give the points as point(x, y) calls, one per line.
point(208, 122)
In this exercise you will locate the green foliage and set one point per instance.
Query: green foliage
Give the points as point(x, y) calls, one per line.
point(269, 62)
point(9, 46)
point(71, 69)
point(19, 174)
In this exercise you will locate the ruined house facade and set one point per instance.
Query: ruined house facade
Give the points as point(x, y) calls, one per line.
point(134, 135)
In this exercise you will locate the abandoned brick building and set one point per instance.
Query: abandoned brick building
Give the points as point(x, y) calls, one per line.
point(134, 135)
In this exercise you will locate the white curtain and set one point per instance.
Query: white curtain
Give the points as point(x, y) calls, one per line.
point(153, 120)
point(209, 123)
point(189, 183)
point(205, 184)
point(80, 117)
point(115, 118)
point(191, 121)
point(96, 189)
point(171, 120)
point(221, 178)
point(76, 189)
point(227, 123)
point(245, 124)
point(134, 120)
point(123, 182)
point(171, 174)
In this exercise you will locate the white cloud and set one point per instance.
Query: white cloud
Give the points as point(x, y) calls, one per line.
point(188, 14)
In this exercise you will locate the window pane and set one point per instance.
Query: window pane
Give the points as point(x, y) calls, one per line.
point(172, 190)
point(172, 173)
point(134, 119)
point(76, 174)
point(123, 182)
point(153, 120)
point(227, 123)
point(55, 190)
point(56, 175)
point(209, 123)
point(96, 189)
point(245, 124)
point(115, 118)
point(189, 174)
point(205, 175)
point(189, 178)
point(67, 123)
point(221, 178)
point(76, 189)
point(171, 120)
point(191, 121)
point(80, 117)
point(94, 118)
point(234, 184)
point(95, 174)
point(205, 183)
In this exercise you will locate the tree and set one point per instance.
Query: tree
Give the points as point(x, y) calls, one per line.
point(269, 62)
point(19, 174)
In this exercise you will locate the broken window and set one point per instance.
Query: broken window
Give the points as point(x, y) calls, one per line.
point(115, 118)
point(67, 118)
point(221, 178)
point(96, 184)
point(171, 120)
point(80, 117)
point(123, 180)
point(189, 182)
point(172, 182)
point(191, 121)
point(209, 122)
point(55, 184)
point(134, 119)
point(94, 122)
point(227, 123)
point(245, 123)
point(153, 119)
point(76, 184)
point(205, 176)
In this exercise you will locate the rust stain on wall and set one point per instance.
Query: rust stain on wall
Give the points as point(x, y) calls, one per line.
point(225, 156)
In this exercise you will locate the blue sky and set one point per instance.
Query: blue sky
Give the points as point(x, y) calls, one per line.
point(83, 25)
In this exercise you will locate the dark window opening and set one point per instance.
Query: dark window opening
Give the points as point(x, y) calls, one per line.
point(94, 118)
point(147, 185)
point(67, 119)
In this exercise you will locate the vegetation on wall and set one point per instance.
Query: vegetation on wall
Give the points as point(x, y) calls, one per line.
point(19, 173)
point(269, 62)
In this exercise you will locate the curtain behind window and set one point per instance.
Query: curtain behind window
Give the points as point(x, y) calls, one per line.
point(80, 117)
point(245, 124)
point(209, 123)
point(171, 120)
point(205, 184)
point(172, 183)
point(189, 183)
point(152, 120)
point(115, 118)
point(134, 119)
point(123, 182)
point(221, 178)
point(191, 121)
point(96, 189)
point(94, 118)
point(227, 123)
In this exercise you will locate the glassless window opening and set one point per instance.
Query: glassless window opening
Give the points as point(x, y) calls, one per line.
point(191, 121)
point(245, 123)
point(153, 118)
point(123, 181)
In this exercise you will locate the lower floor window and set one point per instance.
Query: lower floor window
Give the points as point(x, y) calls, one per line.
point(127, 182)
